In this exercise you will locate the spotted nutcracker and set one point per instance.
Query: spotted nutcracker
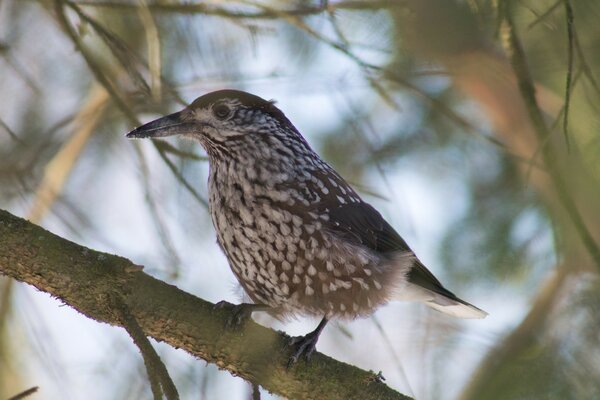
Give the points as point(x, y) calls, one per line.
point(298, 238)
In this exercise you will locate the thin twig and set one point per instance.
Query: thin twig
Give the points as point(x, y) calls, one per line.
point(112, 91)
point(581, 59)
point(10, 132)
point(121, 52)
point(159, 223)
point(541, 17)
point(59, 168)
point(392, 351)
point(153, 45)
point(181, 178)
point(569, 16)
point(532, 161)
point(523, 336)
point(208, 9)
point(92, 64)
point(25, 393)
point(514, 49)
point(169, 148)
point(160, 381)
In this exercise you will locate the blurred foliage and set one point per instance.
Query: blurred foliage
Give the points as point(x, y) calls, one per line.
point(388, 86)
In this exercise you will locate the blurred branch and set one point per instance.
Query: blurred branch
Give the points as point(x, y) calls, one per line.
point(18, 67)
point(156, 217)
point(181, 178)
point(344, 47)
point(160, 381)
point(542, 17)
point(570, 28)
point(101, 77)
point(208, 9)
point(25, 393)
point(91, 282)
point(581, 59)
point(520, 339)
point(92, 64)
point(10, 132)
point(153, 45)
point(168, 148)
point(516, 54)
point(59, 168)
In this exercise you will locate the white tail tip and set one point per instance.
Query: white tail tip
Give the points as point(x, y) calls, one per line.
point(458, 310)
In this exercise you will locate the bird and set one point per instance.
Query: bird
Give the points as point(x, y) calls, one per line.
point(298, 238)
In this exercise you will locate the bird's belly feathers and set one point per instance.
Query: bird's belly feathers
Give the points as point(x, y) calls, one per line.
point(286, 259)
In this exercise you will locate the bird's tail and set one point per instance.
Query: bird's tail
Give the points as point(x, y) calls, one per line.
point(420, 285)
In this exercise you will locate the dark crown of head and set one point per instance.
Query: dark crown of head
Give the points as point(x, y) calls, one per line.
point(247, 100)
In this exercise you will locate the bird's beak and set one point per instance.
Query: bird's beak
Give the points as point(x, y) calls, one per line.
point(172, 124)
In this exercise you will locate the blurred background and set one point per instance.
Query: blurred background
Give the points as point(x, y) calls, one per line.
point(416, 103)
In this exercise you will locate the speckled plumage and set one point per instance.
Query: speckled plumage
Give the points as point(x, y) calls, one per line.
point(298, 238)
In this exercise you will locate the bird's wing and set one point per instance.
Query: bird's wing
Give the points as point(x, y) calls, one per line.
point(362, 224)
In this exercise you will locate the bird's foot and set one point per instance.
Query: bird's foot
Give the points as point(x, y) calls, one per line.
point(304, 346)
point(239, 314)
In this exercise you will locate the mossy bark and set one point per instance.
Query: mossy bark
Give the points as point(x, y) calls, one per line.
point(97, 284)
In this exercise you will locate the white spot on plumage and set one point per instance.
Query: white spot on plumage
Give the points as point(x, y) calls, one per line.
point(362, 283)
point(285, 229)
point(297, 221)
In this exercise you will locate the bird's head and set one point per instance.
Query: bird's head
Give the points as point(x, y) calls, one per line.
point(223, 121)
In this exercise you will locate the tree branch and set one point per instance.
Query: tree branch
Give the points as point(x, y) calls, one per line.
point(160, 381)
point(514, 49)
point(94, 282)
point(208, 9)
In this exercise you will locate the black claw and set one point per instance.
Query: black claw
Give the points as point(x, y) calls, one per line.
point(306, 345)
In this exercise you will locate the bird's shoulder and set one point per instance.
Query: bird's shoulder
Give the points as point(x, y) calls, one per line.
point(362, 224)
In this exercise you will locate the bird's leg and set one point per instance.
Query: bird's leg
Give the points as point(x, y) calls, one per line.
point(306, 345)
point(239, 313)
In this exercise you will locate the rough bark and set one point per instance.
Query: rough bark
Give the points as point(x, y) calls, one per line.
point(98, 284)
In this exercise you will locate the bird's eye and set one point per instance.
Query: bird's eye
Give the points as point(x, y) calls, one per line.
point(221, 111)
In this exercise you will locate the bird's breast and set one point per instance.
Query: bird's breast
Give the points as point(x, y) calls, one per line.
point(276, 240)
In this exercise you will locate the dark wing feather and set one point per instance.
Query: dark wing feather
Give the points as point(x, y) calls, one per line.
point(362, 224)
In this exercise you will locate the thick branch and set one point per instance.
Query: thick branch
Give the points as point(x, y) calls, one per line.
point(93, 282)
